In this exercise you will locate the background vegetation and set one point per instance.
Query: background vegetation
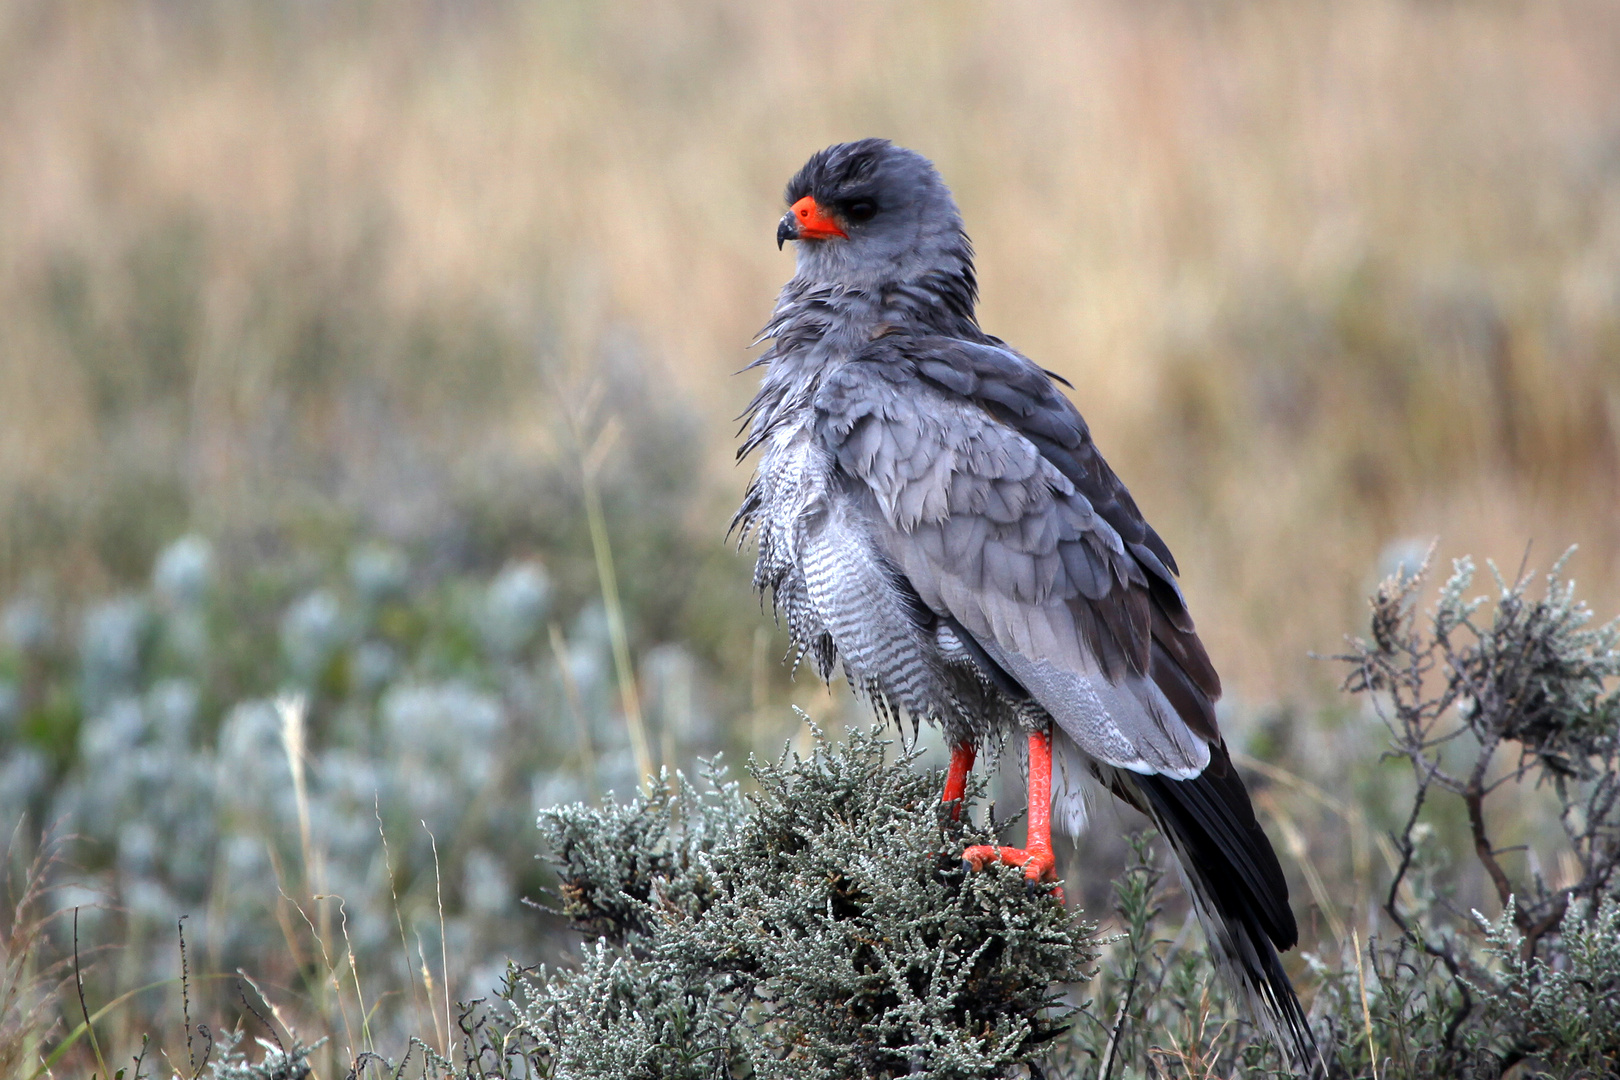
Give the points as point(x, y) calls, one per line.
point(342, 341)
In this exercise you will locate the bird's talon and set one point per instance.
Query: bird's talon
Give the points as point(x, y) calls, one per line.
point(979, 856)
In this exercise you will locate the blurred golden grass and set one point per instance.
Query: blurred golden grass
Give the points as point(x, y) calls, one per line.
point(1325, 277)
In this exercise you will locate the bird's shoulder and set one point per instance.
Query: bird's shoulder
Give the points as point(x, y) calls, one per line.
point(997, 398)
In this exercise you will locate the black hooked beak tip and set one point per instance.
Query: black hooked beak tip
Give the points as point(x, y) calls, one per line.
point(786, 229)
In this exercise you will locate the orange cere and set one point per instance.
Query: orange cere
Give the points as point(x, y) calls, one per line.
point(814, 223)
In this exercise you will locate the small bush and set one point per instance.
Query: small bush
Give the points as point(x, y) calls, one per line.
point(820, 927)
point(1485, 698)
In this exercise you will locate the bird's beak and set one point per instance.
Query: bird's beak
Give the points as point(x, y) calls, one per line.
point(807, 221)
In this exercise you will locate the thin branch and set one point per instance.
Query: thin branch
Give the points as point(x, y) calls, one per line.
point(78, 983)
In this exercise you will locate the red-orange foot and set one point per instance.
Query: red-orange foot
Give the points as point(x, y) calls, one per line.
point(1038, 865)
point(1036, 858)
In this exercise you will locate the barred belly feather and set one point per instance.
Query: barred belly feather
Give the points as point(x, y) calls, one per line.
point(842, 600)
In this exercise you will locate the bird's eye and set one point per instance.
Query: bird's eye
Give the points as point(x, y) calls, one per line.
point(860, 210)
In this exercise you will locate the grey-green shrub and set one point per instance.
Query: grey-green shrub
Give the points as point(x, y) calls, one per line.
point(819, 927)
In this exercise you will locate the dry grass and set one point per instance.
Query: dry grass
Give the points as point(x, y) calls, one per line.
point(1325, 276)
point(31, 982)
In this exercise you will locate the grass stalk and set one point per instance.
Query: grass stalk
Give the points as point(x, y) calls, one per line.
point(331, 979)
point(602, 547)
point(444, 947)
point(84, 1026)
point(292, 708)
point(427, 985)
point(1366, 1010)
point(576, 710)
point(399, 920)
point(354, 973)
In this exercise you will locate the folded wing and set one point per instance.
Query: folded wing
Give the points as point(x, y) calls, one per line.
point(987, 494)
point(994, 503)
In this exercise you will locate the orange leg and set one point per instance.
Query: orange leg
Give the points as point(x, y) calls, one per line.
point(962, 755)
point(1037, 859)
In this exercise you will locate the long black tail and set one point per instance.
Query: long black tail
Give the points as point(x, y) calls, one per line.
point(1237, 888)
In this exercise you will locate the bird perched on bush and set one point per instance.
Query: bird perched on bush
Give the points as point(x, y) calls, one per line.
point(932, 514)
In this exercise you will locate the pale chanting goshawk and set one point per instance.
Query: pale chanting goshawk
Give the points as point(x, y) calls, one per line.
point(932, 515)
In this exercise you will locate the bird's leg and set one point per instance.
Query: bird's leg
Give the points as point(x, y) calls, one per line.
point(1036, 857)
point(962, 755)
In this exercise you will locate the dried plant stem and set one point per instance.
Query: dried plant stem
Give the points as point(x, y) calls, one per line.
point(293, 708)
point(331, 973)
point(81, 1029)
point(354, 971)
point(427, 985)
point(444, 948)
point(1362, 838)
point(593, 451)
point(1299, 850)
point(78, 984)
point(275, 1010)
point(1366, 1011)
point(185, 988)
point(603, 550)
point(393, 893)
point(576, 709)
point(1111, 1053)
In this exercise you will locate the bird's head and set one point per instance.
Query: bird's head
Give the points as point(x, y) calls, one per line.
point(869, 212)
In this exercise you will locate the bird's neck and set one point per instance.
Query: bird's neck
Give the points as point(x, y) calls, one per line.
point(817, 326)
point(836, 319)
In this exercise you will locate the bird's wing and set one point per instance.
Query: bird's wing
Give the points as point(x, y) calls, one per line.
point(990, 497)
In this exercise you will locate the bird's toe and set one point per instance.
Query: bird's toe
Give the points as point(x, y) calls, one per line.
point(979, 856)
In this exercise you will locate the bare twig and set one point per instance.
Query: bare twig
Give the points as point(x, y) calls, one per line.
point(185, 991)
point(78, 983)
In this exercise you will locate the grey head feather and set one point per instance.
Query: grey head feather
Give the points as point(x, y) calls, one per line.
point(915, 228)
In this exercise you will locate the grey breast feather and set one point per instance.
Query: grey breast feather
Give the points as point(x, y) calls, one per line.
point(831, 578)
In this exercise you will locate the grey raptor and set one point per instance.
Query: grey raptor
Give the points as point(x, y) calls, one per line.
point(932, 514)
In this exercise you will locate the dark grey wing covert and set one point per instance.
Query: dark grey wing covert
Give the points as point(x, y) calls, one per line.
point(998, 509)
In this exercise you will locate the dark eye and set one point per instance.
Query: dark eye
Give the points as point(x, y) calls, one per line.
point(861, 210)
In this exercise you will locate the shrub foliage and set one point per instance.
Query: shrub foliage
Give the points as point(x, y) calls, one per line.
point(821, 926)
point(1484, 697)
point(818, 923)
